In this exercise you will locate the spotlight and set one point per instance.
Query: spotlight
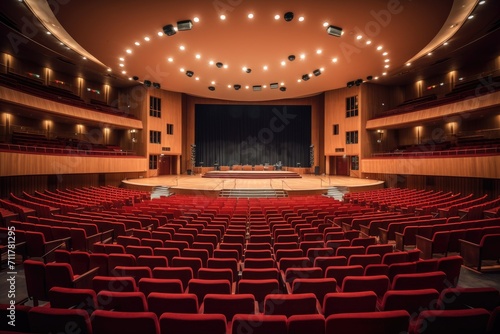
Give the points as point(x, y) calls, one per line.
point(248, 70)
point(189, 73)
point(274, 85)
point(334, 31)
point(219, 64)
point(358, 82)
point(305, 77)
point(156, 85)
point(147, 83)
point(184, 25)
point(135, 77)
point(257, 88)
point(317, 72)
point(169, 30)
point(288, 16)
point(237, 87)
point(350, 84)
point(369, 77)
point(212, 88)
point(291, 57)
point(283, 89)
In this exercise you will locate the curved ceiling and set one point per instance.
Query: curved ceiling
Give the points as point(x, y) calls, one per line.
point(379, 38)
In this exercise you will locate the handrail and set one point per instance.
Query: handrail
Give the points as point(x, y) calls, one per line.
point(65, 151)
point(283, 183)
point(451, 152)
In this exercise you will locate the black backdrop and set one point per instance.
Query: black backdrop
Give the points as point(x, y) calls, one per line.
point(252, 135)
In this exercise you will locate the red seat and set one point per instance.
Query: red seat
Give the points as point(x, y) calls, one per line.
point(258, 288)
point(126, 284)
point(191, 262)
point(412, 301)
point(152, 261)
point(259, 324)
point(306, 323)
point(319, 286)
point(184, 274)
point(35, 280)
point(228, 305)
point(340, 272)
point(378, 284)
point(432, 280)
point(349, 302)
point(368, 322)
point(288, 305)
point(55, 320)
point(159, 303)
point(451, 321)
point(180, 323)
point(105, 322)
point(148, 285)
point(136, 272)
point(201, 287)
point(122, 301)
point(84, 299)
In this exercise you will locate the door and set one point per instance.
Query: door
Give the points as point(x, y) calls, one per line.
point(341, 166)
point(164, 163)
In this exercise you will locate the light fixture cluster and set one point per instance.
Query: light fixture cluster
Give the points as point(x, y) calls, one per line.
point(358, 82)
point(148, 83)
point(183, 25)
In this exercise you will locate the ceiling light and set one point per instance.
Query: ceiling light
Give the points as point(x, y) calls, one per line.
point(129, 51)
point(482, 2)
point(137, 43)
point(196, 19)
point(299, 80)
point(429, 54)
point(211, 62)
point(228, 86)
point(264, 86)
point(276, 17)
point(197, 78)
point(283, 63)
point(189, 73)
point(109, 69)
point(334, 31)
point(445, 43)
point(368, 42)
point(244, 68)
point(376, 78)
point(305, 77)
point(213, 83)
point(198, 56)
point(160, 33)
point(182, 47)
point(386, 60)
point(124, 72)
point(247, 87)
point(282, 84)
point(212, 88)
point(359, 37)
point(385, 73)
point(301, 19)
point(288, 16)
point(334, 60)
point(147, 39)
point(225, 66)
point(223, 17)
point(317, 72)
point(283, 89)
point(379, 47)
point(265, 67)
point(470, 17)
point(322, 69)
point(274, 85)
point(184, 25)
point(219, 64)
point(408, 64)
point(385, 53)
point(121, 59)
point(302, 56)
point(181, 69)
point(49, 33)
point(122, 65)
point(319, 51)
point(325, 24)
point(130, 79)
point(291, 57)
point(250, 16)
point(169, 30)
point(386, 66)
point(170, 59)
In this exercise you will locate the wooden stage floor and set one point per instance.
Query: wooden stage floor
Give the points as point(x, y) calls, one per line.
point(307, 183)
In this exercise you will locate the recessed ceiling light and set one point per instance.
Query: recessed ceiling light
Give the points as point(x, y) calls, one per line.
point(385, 53)
point(359, 37)
point(137, 43)
point(196, 19)
point(49, 33)
point(109, 69)
point(225, 66)
point(247, 87)
point(276, 17)
point(211, 62)
point(283, 63)
point(147, 39)
point(244, 68)
point(429, 54)
point(181, 69)
point(198, 56)
point(223, 17)
point(124, 72)
point(334, 60)
point(368, 42)
point(301, 19)
point(445, 43)
point(129, 51)
point(385, 73)
point(182, 47)
point(319, 51)
point(282, 84)
point(170, 59)
point(299, 80)
point(250, 16)
point(197, 78)
point(325, 24)
point(302, 56)
point(264, 86)
point(322, 69)
point(130, 78)
point(482, 2)
point(122, 65)
point(379, 47)
point(470, 17)
point(121, 59)
point(265, 67)
point(460, 79)
point(160, 33)
point(386, 60)
point(376, 78)
point(213, 82)
point(441, 84)
point(386, 66)
point(408, 64)
point(228, 86)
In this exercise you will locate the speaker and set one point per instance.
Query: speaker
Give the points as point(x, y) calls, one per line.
point(316, 170)
point(334, 31)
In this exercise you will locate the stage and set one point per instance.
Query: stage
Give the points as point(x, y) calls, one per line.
point(308, 184)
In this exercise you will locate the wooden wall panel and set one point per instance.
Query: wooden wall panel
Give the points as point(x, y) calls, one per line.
point(35, 164)
point(480, 166)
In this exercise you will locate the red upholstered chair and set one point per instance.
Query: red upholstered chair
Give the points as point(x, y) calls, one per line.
point(22, 321)
point(105, 322)
point(160, 303)
point(326, 261)
point(201, 254)
point(412, 301)
point(319, 286)
point(368, 322)
point(401, 268)
point(380, 249)
point(61, 274)
point(451, 266)
point(396, 257)
point(364, 259)
point(169, 253)
point(347, 251)
point(292, 273)
point(122, 301)
point(191, 262)
point(349, 302)
point(55, 320)
point(61, 297)
point(259, 324)
point(288, 305)
point(184, 274)
point(180, 323)
point(259, 263)
point(137, 251)
point(232, 264)
point(432, 280)
point(259, 288)
point(35, 280)
point(376, 269)
point(437, 244)
point(201, 287)
point(340, 272)
point(228, 305)
point(152, 261)
point(378, 284)
point(465, 298)
point(451, 321)
point(37, 246)
point(148, 285)
point(260, 273)
point(136, 272)
point(120, 260)
point(306, 323)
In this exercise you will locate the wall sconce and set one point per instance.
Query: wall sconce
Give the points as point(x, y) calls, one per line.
point(380, 135)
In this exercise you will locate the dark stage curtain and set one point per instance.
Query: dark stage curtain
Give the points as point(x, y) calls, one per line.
point(252, 135)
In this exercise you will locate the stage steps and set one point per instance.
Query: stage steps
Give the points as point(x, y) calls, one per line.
point(161, 191)
point(252, 193)
point(337, 192)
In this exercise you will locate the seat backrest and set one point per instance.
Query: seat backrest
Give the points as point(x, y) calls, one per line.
point(148, 285)
point(126, 284)
point(258, 288)
point(152, 261)
point(431, 280)
point(61, 297)
point(451, 266)
point(378, 284)
point(216, 273)
point(56, 320)
point(260, 273)
point(201, 287)
point(122, 301)
point(340, 272)
point(452, 321)
point(217, 263)
point(368, 322)
point(259, 324)
point(160, 302)
point(288, 305)
point(319, 286)
point(36, 283)
point(192, 262)
point(349, 302)
point(412, 301)
point(180, 323)
point(184, 274)
point(137, 272)
point(122, 322)
point(229, 305)
point(306, 323)
point(59, 274)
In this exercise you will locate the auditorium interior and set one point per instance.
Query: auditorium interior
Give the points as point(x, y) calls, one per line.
point(235, 166)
